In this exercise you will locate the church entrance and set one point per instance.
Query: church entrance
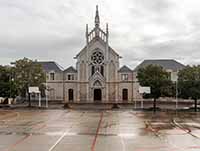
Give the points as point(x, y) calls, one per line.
point(97, 95)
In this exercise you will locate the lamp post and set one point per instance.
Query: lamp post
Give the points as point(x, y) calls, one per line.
point(29, 95)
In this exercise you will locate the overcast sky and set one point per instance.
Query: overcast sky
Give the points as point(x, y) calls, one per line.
point(139, 29)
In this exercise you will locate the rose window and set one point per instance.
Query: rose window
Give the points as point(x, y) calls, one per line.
point(97, 57)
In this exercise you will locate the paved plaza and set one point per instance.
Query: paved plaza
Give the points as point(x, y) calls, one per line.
point(100, 130)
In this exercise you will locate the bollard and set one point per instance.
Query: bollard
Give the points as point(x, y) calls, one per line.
point(115, 106)
point(66, 106)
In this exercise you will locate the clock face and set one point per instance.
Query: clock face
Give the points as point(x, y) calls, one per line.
point(97, 57)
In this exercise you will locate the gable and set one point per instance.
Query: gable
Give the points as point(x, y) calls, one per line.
point(70, 70)
point(124, 69)
point(96, 43)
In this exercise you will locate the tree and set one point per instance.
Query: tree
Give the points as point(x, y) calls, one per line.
point(189, 83)
point(28, 73)
point(158, 80)
point(8, 86)
point(4, 81)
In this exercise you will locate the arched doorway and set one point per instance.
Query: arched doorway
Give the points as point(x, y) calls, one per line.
point(125, 94)
point(97, 95)
point(71, 95)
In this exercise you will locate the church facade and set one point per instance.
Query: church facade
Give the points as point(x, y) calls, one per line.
point(97, 76)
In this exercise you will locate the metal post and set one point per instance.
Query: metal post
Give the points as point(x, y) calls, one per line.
point(63, 80)
point(142, 103)
point(135, 103)
point(39, 99)
point(46, 93)
point(176, 94)
point(10, 86)
point(46, 101)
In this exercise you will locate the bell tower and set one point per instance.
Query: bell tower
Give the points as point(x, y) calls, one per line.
point(96, 32)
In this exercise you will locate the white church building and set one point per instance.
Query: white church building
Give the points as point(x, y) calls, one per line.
point(98, 76)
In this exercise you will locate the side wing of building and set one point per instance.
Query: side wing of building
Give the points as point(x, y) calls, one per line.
point(54, 80)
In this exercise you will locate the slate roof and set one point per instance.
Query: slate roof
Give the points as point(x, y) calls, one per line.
point(70, 70)
point(124, 69)
point(50, 66)
point(169, 64)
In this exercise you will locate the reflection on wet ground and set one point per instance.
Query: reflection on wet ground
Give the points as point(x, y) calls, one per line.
point(81, 130)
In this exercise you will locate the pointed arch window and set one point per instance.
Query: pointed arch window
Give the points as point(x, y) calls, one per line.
point(102, 70)
point(93, 70)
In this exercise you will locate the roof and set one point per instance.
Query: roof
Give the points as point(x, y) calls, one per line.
point(167, 64)
point(124, 69)
point(50, 66)
point(70, 70)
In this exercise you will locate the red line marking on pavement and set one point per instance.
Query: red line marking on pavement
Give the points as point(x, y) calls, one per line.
point(194, 147)
point(39, 126)
point(97, 132)
point(11, 148)
point(18, 142)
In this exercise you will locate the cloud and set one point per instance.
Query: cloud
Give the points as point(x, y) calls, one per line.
point(139, 29)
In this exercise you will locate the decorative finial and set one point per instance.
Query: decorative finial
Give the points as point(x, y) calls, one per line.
point(97, 20)
point(107, 28)
point(86, 29)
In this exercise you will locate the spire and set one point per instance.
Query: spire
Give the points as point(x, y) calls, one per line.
point(97, 20)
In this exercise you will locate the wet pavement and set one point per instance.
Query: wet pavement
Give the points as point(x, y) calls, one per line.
point(101, 130)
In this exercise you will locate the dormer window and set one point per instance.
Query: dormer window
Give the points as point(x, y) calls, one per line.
point(124, 77)
point(52, 76)
point(70, 77)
